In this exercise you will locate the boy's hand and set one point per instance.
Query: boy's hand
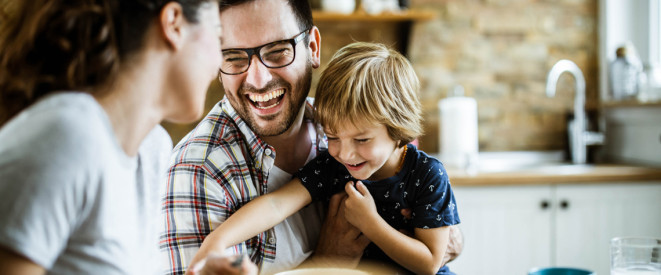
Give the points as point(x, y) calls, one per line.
point(360, 208)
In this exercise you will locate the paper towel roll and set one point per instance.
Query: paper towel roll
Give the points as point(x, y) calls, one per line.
point(459, 140)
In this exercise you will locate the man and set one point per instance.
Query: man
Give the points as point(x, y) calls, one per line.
point(270, 48)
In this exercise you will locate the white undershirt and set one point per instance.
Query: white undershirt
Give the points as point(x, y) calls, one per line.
point(296, 237)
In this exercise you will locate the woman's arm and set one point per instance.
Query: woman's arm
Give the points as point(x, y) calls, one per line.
point(422, 254)
point(12, 263)
point(255, 217)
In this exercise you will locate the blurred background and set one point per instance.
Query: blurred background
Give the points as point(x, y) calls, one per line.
point(500, 51)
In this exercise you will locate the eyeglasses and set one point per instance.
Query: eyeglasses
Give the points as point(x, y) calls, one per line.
point(273, 55)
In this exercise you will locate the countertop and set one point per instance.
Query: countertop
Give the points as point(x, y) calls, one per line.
point(556, 174)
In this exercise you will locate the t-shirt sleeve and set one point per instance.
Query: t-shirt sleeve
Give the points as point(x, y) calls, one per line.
point(435, 204)
point(323, 176)
point(44, 192)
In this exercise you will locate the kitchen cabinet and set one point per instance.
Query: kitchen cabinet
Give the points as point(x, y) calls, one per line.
point(511, 229)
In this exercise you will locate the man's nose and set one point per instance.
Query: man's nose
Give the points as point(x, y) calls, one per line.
point(258, 75)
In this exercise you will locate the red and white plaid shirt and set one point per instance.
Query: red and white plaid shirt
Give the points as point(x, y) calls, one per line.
point(214, 170)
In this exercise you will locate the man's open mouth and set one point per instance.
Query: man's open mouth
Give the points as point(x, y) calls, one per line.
point(268, 100)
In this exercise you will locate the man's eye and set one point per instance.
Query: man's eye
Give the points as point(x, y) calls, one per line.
point(362, 140)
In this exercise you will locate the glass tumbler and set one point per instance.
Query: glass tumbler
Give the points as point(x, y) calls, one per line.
point(635, 255)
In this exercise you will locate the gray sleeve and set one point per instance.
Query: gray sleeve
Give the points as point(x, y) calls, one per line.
point(43, 191)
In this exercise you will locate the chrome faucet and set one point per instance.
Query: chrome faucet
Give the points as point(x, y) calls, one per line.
point(579, 137)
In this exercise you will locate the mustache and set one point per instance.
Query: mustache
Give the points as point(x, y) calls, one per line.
point(271, 85)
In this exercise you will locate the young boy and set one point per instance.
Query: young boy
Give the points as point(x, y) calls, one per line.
point(367, 103)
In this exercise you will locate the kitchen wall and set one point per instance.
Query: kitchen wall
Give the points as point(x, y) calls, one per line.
point(500, 51)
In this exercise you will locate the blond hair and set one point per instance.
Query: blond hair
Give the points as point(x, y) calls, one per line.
point(370, 82)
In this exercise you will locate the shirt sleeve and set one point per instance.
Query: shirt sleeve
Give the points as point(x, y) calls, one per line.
point(436, 206)
point(194, 204)
point(323, 177)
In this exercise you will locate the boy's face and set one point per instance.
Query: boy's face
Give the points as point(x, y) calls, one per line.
point(365, 149)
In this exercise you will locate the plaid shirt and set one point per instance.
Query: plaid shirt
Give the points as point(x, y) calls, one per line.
point(217, 168)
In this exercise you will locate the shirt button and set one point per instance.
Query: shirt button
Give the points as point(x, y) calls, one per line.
point(267, 152)
point(272, 240)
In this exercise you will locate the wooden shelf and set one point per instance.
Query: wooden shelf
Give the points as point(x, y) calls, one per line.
point(630, 103)
point(410, 15)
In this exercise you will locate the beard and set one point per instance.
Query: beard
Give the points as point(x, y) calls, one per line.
point(277, 123)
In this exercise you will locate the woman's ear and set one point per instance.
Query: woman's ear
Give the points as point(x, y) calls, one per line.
point(172, 24)
point(315, 47)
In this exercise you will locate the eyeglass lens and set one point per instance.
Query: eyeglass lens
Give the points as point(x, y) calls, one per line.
point(273, 55)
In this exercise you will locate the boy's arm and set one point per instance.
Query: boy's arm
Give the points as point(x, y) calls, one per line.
point(255, 217)
point(422, 254)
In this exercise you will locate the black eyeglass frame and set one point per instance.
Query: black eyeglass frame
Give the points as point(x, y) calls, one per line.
point(255, 51)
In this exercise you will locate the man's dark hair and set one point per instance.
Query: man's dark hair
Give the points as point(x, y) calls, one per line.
point(301, 9)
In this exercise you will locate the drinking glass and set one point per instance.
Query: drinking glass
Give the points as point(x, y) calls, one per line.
point(635, 256)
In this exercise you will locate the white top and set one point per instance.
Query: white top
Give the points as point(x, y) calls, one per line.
point(71, 200)
point(297, 235)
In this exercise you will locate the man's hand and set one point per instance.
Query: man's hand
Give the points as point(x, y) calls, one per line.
point(455, 246)
point(219, 265)
point(340, 243)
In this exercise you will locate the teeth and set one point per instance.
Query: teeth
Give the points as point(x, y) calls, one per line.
point(266, 97)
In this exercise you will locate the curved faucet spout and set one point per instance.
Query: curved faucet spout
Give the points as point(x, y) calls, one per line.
point(560, 67)
point(577, 128)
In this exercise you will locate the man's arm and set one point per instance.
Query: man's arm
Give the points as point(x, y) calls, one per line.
point(340, 243)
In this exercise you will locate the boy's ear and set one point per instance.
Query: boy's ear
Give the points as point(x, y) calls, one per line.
point(315, 47)
point(172, 24)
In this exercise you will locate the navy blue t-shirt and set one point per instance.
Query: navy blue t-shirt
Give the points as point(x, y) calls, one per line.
point(422, 185)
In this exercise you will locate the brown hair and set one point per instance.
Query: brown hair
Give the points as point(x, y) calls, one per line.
point(76, 45)
point(301, 9)
point(369, 81)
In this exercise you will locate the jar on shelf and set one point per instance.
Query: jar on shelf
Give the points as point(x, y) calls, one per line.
point(625, 75)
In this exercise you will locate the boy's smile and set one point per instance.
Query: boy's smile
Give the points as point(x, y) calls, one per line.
point(365, 149)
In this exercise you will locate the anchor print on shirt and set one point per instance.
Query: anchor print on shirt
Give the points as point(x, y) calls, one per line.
point(387, 194)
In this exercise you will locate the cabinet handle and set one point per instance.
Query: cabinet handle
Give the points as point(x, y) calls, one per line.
point(564, 204)
point(545, 204)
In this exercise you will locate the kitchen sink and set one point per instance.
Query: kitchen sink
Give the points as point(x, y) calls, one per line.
point(494, 162)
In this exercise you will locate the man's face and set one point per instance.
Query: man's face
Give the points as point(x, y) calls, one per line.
point(267, 99)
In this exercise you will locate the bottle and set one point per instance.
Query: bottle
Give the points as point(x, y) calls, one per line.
point(625, 76)
point(458, 131)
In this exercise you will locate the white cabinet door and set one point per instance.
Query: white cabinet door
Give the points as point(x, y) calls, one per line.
point(595, 213)
point(506, 229)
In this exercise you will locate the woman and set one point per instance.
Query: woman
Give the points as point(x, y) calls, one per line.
point(83, 87)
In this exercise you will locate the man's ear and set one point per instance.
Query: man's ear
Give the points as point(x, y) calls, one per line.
point(172, 24)
point(315, 47)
